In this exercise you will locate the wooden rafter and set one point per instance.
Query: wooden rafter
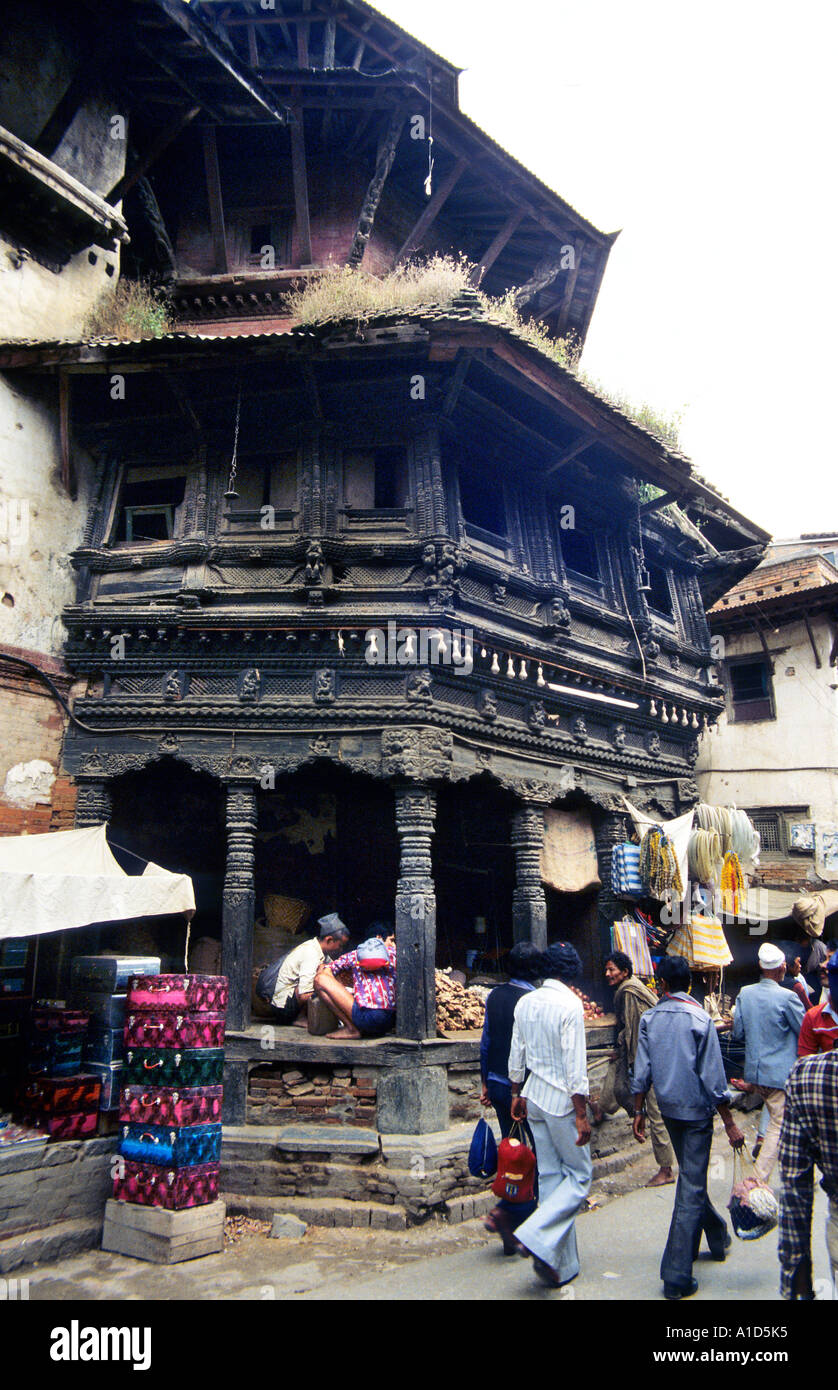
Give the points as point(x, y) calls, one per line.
point(457, 382)
point(216, 205)
point(68, 472)
point(655, 503)
point(812, 642)
point(383, 165)
point(165, 138)
point(300, 177)
point(435, 205)
point(184, 404)
point(497, 244)
point(572, 452)
point(570, 290)
point(542, 277)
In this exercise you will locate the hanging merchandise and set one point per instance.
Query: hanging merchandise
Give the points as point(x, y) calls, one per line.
point(705, 857)
point(733, 885)
point(744, 837)
point(716, 818)
point(702, 943)
point(630, 937)
point(625, 871)
point(678, 830)
point(659, 865)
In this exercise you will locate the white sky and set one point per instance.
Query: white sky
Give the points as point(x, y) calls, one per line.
point(706, 132)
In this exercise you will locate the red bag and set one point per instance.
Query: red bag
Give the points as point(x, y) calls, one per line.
point(168, 1029)
point(183, 993)
point(516, 1168)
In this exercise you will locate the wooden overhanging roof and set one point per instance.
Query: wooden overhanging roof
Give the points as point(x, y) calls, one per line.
point(342, 69)
point(555, 419)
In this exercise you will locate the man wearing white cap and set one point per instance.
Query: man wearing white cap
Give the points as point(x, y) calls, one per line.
point(768, 1017)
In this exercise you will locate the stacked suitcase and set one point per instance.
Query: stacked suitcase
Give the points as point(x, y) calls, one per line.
point(170, 1106)
point(54, 1096)
point(99, 985)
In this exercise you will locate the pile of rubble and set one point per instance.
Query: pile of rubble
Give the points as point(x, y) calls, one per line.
point(237, 1227)
point(457, 1008)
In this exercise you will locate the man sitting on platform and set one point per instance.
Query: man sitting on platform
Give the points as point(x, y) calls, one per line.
point(369, 1008)
point(296, 976)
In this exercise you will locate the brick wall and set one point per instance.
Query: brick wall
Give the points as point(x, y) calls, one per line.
point(286, 1094)
point(32, 726)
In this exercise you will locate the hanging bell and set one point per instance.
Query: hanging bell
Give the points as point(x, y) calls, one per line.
point(664, 715)
point(510, 668)
point(694, 720)
point(540, 679)
point(483, 653)
point(456, 656)
point(410, 645)
point(495, 666)
point(341, 644)
point(644, 583)
point(685, 719)
point(522, 674)
point(674, 715)
point(653, 709)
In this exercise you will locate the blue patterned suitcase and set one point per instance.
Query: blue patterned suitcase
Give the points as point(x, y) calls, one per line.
point(110, 1076)
point(104, 1046)
point(179, 1147)
point(105, 1010)
point(110, 974)
point(53, 1054)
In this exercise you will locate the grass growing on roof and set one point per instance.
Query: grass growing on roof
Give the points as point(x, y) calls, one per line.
point(352, 295)
point(133, 310)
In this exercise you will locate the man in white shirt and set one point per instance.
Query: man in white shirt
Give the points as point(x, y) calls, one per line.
point(548, 1041)
point(295, 978)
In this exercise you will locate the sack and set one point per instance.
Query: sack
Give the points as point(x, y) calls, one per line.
point(616, 1093)
point(266, 983)
point(754, 1210)
point(372, 955)
point(516, 1168)
point(483, 1152)
point(630, 937)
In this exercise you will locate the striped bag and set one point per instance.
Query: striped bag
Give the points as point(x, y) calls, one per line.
point(702, 943)
point(630, 937)
point(625, 871)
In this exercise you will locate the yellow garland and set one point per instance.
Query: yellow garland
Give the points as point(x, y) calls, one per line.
point(659, 868)
point(733, 885)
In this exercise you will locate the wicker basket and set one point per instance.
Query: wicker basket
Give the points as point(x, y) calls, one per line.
point(285, 914)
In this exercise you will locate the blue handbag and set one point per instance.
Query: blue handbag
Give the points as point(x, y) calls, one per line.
point(483, 1152)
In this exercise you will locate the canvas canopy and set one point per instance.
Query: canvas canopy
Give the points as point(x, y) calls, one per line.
point(71, 879)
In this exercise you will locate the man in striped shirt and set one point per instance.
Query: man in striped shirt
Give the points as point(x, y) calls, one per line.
point(369, 1008)
point(548, 1041)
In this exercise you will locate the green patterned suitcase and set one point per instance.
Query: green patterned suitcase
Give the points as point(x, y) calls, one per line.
point(167, 1066)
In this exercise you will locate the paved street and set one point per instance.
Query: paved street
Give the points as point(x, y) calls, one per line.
point(620, 1246)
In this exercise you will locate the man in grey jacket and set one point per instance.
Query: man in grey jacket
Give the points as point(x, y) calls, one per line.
point(768, 1017)
point(678, 1053)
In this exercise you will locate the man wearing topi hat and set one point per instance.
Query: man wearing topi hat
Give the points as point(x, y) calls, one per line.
point(768, 1017)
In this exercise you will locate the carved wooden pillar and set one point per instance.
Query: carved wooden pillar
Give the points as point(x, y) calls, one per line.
point(239, 902)
point(94, 803)
point(415, 913)
point(610, 830)
point(529, 905)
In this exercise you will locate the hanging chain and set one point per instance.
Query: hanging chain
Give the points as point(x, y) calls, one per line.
point(231, 487)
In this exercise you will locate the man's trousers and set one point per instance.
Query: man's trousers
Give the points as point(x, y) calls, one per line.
point(564, 1179)
point(693, 1211)
point(775, 1101)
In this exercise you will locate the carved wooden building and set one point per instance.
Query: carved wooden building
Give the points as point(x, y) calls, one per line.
point(419, 470)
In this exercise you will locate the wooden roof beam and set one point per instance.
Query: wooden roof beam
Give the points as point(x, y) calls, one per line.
point(655, 503)
point(300, 180)
point(201, 34)
point(438, 200)
point(497, 244)
point(571, 452)
point(372, 198)
point(216, 204)
point(165, 138)
point(457, 382)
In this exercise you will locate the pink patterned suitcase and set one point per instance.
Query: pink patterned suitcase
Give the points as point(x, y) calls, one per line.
point(65, 1126)
point(167, 1105)
point(172, 1188)
point(185, 993)
point(165, 1028)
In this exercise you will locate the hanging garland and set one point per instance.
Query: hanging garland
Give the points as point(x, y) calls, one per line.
point(733, 885)
point(659, 865)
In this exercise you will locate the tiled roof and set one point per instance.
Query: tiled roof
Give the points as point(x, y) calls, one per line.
point(785, 579)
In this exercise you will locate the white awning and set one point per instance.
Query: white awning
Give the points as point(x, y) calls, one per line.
point(71, 879)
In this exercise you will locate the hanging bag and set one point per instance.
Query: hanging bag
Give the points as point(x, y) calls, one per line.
point(516, 1167)
point(483, 1151)
point(753, 1207)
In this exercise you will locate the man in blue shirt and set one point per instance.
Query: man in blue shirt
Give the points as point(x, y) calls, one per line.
point(678, 1053)
point(768, 1017)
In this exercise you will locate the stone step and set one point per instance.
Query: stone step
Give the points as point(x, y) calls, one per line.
point(56, 1242)
point(263, 1141)
point(319, 1211)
